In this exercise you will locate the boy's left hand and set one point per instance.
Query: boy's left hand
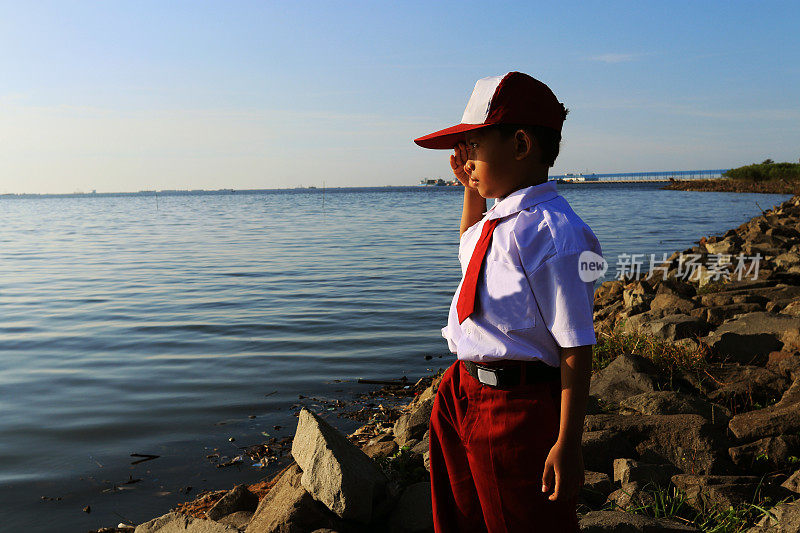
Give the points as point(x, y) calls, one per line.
point(564, 469)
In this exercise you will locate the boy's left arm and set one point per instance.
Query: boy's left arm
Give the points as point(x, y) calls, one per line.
point(563, 469)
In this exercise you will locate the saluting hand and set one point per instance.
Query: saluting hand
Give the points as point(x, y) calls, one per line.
point(457, 162)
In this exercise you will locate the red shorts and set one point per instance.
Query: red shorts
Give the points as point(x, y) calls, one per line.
point(487, 452)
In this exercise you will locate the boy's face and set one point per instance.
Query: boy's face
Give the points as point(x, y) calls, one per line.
point(491, 163)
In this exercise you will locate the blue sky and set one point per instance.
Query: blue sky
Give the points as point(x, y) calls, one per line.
point(124, 96)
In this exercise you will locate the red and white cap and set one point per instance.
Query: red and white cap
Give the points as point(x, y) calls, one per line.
point(515, 98)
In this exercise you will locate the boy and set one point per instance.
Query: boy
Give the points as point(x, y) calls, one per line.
point(507, 421)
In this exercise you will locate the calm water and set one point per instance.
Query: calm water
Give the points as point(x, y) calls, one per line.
point(135, 326)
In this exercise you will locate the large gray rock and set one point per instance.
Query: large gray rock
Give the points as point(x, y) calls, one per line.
point(625, 376)
point(178, 523)
point(783, 518)
point(414, 511)
point(630, 470)
point(622, 522)
point(674, 403)
point(289, 508)
point(335, 471)
point(413, 424)
point(751, 337)
point(596, 488)
point(688, 442)
point(237, 499)
point(674, 327)
point(743, 385)
point(716, 315)
point(767, 454)
point(722, 492)
point(781, 418)
point(601, 447)
point(631, 495)
point(671, 302)
point(785, 363)
point(238, 519)
point(793, 482)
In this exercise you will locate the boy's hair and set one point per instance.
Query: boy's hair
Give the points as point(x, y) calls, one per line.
point(548, 139)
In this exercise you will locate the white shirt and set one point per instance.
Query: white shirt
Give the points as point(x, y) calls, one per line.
point(530, 299)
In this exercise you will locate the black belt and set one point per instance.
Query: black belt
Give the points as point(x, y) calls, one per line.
point(509, 373)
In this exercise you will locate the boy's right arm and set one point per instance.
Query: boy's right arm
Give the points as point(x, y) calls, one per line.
point(474, 203)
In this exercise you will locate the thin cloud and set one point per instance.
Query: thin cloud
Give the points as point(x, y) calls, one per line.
point(615, 58)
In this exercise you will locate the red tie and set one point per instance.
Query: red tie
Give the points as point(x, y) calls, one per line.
point(466, 298)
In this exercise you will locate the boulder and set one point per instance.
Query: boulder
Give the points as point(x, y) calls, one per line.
point(783, 518)
point(793, 482)
point(785, 363)
point(601, 447)
point(630, 470)
point(413, 424)
point(637, 295)
point(237, 499)
point(676, 287)
point(779, 419)
point(289, 508)
point(767, 454)
point(607, 311)
point(728, 297)
point(718, 314)
point(674, 403)
point(238, 519)
point(608, 292)
point(722, 492)
point(792, 308)
point(414, 511)
point(596, 488)
point(725, 246)
point(335, 471)
point(743, 385)
point(622, 522)
point(631, 495)
point(625, 376)
point(688, 442)
point(422, 446)
point(787, 260)
point(376, 448)
point(671, 327)
point(178, 523)
point(751, 337)
point(671, 302)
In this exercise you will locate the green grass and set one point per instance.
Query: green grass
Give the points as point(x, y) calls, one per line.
point(404, 467)
point(673, 504)
point(666, 356)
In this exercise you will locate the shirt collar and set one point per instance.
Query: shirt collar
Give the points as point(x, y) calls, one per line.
point(522, 199)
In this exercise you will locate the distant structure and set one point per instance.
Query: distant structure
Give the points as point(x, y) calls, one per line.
point(433, 182)
point(632, 177)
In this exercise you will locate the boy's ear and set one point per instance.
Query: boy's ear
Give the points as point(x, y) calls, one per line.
point(523, 144)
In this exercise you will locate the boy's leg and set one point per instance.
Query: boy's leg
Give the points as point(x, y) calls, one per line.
point(513, 434)
point(456, 508)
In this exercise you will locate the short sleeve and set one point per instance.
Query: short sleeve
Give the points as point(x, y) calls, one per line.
point(565, 301)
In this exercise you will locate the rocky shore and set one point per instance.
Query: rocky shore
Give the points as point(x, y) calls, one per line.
point(693, 422)
point(736, 185)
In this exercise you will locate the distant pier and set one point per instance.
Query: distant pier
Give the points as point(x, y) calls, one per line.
point(641, 177)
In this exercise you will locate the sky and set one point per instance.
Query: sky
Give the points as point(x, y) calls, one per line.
point(128, 96)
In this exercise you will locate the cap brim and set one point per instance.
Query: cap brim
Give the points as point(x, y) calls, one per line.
point(447, 138)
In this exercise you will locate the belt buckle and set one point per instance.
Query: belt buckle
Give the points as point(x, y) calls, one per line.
point(489, 376)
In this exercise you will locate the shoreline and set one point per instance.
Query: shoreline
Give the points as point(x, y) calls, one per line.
point(687, 327)
point(732, 185)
